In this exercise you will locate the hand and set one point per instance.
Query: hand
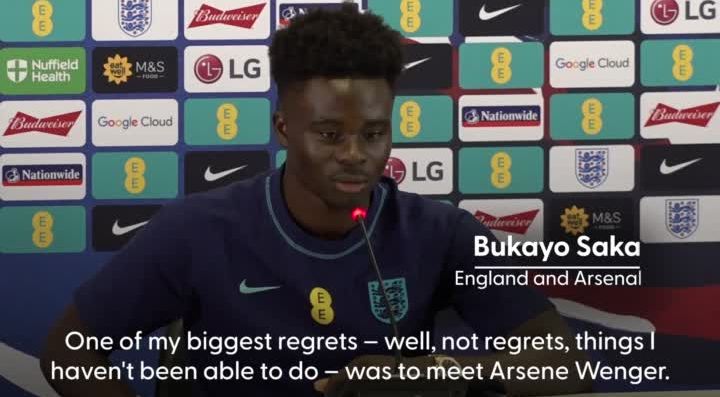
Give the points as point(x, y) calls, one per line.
point(330, 385)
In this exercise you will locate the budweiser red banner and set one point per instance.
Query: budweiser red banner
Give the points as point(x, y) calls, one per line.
point(55, 125)
point(244, 17)
point(698, 115)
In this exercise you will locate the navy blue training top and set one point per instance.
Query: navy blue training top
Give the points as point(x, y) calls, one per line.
point(232, 262)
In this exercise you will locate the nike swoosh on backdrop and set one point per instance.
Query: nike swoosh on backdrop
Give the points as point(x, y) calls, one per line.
point(488, 15)
point(244, 289)
point(411, 65)
point(670, 169)
point(214, 176)
point(23, 371)
point(120, 230)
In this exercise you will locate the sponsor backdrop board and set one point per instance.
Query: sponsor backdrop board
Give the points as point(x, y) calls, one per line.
point(545, 119)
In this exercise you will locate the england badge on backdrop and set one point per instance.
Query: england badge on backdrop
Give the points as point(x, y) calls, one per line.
point(682, 216)
point(135, 16)
point(591, 166)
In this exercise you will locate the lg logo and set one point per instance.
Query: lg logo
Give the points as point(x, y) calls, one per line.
point(209, 69)
point(665, 12)
point(432, 171)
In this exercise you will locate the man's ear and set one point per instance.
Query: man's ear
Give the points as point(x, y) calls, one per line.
point(280, 126)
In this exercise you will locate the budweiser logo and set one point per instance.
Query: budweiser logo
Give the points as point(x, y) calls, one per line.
point(515, 223)
point(244, 17)
point(56, 125)
point(699, 115)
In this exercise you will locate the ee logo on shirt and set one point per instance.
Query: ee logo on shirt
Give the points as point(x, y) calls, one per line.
point(321, 301)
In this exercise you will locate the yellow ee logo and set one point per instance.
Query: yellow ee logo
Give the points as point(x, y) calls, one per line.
point(135, 182)
point(501, 72)
point(227, 115)
point(42, 223)
point(501, 176)
point(592, 122)
point(321, 301)
point(42, 24)
point(682, 67)
point(592, 17)
point(410, 20)
point(410, 124)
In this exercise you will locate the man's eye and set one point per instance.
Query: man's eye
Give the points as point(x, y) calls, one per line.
point(374, 135)
point(328, 135)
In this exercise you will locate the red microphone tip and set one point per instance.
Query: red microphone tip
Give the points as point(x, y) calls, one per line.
point(359, 213)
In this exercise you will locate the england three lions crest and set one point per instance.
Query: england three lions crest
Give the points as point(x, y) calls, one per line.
point(135, 16)
point(682, 217)
point(591, 166)
point(397, 294)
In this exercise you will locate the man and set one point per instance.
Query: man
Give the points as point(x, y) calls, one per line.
point(280, 254)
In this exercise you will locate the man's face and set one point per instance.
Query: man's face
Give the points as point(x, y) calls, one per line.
point(338, 136)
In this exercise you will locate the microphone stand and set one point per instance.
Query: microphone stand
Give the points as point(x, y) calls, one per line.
point(395, 386)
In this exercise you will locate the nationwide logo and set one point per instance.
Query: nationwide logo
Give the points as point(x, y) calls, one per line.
point(698, 116)
point(664, 12)
point(117, 69)
point(243, 17)
point(135, 16)
point(42, 175)
point(395, 169)
point(682, 217)
point(208, 68)
point(515, 223)
point(59, 125)
point(574, 220)
point(501, 116)
point(287, 12)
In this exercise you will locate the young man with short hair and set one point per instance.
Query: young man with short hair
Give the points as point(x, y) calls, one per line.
point(279, 254)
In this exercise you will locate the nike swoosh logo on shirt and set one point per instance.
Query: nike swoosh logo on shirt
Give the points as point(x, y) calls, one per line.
point(245, 290)
point(411, 65)
point(488, 15)
point(120, 230)
point(670, 169)
point(214, 176)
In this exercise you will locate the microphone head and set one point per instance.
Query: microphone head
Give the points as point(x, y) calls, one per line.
point(358, 214)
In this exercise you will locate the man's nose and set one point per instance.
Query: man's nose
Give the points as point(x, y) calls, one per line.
point(352, 150)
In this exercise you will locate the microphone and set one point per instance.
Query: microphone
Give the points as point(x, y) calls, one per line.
point(359, 215)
